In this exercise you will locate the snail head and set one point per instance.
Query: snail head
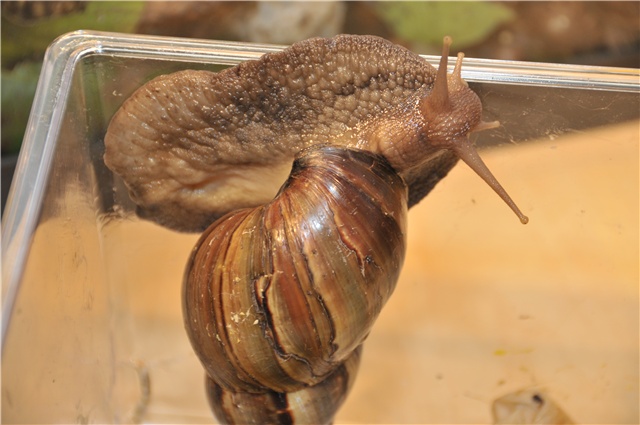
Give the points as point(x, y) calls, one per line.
point(451, 111)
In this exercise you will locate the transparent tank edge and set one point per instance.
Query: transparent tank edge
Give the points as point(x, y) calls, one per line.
point(474, 69)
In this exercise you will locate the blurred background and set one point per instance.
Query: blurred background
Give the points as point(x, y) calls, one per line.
point(592, 33)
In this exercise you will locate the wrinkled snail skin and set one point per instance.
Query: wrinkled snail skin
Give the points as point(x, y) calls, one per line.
point(194, 145)
point(200, 141)
point(278, 298)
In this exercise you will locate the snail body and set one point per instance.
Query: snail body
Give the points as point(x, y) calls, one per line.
point(283, 287)
point(194, 145)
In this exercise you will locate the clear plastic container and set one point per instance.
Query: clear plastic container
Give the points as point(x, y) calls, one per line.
point(91, 323)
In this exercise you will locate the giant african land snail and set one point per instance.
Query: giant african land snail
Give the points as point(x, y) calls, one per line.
point(279, 298)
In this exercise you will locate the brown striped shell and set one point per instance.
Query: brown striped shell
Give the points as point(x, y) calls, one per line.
point(277, 297)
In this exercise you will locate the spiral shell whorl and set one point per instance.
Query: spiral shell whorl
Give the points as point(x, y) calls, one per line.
point(311, 405)
point(276, 298)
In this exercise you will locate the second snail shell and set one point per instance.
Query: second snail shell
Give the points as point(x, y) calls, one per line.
point(278, 297)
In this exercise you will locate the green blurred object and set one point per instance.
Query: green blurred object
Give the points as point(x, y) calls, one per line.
point(28, 28)
point(22, 38)
point(18, 90)
point(428, 22)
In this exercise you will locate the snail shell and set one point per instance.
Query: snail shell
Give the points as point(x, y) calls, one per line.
point(277, 297)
